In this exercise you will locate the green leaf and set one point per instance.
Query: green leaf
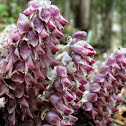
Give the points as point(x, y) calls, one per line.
point(3, 7)
point(2, 26)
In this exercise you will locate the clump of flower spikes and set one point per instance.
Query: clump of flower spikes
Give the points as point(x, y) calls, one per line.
point(100, 98)
point(30, 48)
point(68, 85)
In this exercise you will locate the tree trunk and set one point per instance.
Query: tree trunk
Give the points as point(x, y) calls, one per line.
point(67, 10)
point(83, 14)
point(123, 24)
point(105, 38)
point(107, 32)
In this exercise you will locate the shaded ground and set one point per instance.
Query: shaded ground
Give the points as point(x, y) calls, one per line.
point(2, 121)
point(83, 120)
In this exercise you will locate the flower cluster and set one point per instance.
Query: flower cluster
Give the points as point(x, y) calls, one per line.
point(40, 85)
point(30, 48)
point(68, 85)
point(100, 98)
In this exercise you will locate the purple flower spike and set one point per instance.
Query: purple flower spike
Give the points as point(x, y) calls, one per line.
point(106, 85)
point(29, 68)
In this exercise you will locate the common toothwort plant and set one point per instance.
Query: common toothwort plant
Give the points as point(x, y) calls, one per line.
point(68, 84)
point(101, 96)
point(30, 48)
point(43, 87)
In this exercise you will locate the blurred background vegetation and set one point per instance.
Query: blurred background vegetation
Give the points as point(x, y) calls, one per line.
point(104, 20)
